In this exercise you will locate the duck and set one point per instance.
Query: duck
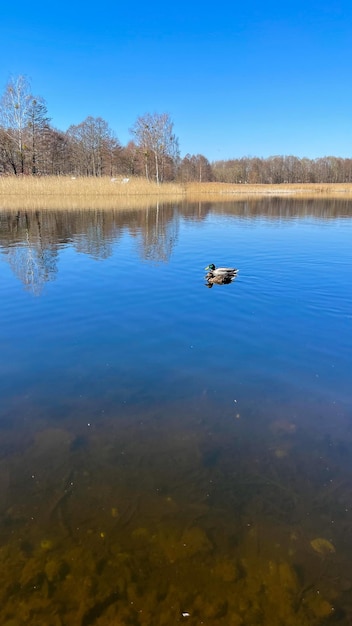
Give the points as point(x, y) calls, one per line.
point(218, 280)
point(221, 272)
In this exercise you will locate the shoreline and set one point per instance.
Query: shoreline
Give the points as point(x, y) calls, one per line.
point(37, 193)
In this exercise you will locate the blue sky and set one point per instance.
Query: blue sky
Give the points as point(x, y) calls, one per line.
point(252, 79)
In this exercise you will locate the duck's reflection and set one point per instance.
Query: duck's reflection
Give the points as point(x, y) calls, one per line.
point(218, 280)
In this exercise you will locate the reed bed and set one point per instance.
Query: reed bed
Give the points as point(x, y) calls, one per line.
point(79, 193)
point(31, 193)
point(87, 186)
point(230, 191)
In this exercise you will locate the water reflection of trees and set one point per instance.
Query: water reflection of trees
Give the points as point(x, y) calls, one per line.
point(286, 207)
point(30, 240)
point(33, 258)
point(97, 240)
point(160, 233)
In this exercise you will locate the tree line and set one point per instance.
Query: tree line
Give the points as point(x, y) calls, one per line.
point(30, 145)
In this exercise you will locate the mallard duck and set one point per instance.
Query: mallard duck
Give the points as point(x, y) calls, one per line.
point(218, 280)
point(220, 272)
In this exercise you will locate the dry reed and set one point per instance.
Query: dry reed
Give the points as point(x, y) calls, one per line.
point(26, 193)
point(229, 191)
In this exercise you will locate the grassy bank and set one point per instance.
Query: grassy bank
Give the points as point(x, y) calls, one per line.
point(78, 193)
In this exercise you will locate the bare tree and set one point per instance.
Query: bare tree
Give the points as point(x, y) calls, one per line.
point(279, 169)
point(14, 107)
point(195, 168)
point(8, 152)
point(56, 153)
point(93, 145)
point(131, 160)
point(155, 138)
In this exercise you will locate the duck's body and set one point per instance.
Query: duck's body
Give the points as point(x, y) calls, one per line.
point(218, 280)
point(220, 272)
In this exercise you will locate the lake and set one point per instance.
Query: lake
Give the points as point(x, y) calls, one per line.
point(171, 453)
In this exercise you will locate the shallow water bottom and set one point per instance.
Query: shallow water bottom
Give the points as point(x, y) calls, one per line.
point(182, 513)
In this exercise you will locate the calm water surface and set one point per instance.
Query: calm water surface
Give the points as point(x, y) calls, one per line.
point(171, 453)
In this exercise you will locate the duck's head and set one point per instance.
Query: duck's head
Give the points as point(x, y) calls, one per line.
point(211, 267)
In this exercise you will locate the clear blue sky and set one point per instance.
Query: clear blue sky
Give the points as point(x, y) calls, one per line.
point(257, 78)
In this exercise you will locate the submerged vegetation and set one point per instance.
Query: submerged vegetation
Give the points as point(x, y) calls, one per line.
point(125, 529)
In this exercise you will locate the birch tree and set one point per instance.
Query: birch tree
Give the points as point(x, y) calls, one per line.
point(155, 138)
point(14, 107)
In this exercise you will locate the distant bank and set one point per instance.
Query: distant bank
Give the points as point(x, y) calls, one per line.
point(30, 192)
